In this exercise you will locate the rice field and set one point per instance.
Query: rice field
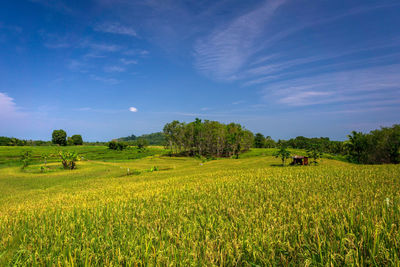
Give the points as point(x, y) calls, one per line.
point(247, 211)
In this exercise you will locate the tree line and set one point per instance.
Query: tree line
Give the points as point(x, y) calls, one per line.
point(207, 138)
point(153, 139)
point(215, 139)
point(378, 146)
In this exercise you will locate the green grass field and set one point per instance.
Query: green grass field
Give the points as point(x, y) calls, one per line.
point(248, 211)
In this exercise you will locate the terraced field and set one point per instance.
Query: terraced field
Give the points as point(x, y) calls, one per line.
point(247, 211)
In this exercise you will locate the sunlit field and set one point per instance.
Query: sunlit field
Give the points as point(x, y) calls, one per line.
point(160, 210)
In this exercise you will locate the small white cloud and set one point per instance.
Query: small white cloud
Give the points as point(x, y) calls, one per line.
point(105, 80)
point(128, 62)
point(136, 52)
point(114, 69)
point(8, 108)
point(133, 109)
point(116, 28)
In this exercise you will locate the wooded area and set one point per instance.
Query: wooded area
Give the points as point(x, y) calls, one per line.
point(208, 138)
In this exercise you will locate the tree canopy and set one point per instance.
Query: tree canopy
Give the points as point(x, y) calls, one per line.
point(379, 146)
point(208, 138)
point(59, 137)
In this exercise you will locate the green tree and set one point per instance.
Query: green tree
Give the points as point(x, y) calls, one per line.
point(357, 147)
point(69, 159)
point(59, 137)
point(259, 140)
point(25, 159)
point(114, 145)
point(283, 154)
point(77, 139)
point(141, 143)
point(314, 152)
point(269, 142)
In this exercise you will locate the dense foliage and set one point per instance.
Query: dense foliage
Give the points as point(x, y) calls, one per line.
point(283, 154)
point(7, 141)
point(208, 138)
point(26, 158)
point(59, 137)
point(77, 139)
point(379, 146)
point(68, 159)
point(323, 143)
point(141, 143)
point(263, 142)
point(153, 139)
point(114, 145)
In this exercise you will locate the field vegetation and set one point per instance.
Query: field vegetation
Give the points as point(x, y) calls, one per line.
point(119, 208)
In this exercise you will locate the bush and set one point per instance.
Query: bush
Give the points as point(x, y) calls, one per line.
point(141, 143)
point(77, 139)
point(26, 158)
point(117, 145)
point(68, 159)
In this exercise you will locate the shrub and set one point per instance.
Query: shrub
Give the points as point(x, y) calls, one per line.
point(141, 143)
point(283, 154)
point(314, 153)
point(117, 145)
point(68, 159)
point(26, 158)
point(77, 139)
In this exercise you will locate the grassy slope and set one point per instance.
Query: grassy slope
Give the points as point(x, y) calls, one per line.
point(223, 212)
point(9, 156)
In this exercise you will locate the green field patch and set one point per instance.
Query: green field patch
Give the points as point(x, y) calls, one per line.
point(188, 212)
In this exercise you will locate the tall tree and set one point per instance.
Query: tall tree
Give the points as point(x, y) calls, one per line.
point(77, 139)
point(59, 137)
point(283, 154)
point(259, 140)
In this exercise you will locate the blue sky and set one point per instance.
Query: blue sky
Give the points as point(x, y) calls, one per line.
point(111, 68)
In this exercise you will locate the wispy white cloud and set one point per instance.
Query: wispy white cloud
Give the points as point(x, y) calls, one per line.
point(111, 81)
point(115, 28)
point(278, 71)
point(97, 46)
point(136, 52)
point(8, 108)
point(133, 109)
point(114, 69)
point(78, 66)
point(227, 49)
point(375, 86)
point(231, 51)
point(128, 61)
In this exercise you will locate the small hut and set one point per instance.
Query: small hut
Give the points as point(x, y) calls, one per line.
point(299, 160)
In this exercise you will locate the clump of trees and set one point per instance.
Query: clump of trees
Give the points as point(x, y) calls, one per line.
point(323, 143)
point(263, 142)
point(378, 146)
point(207, 138)
point(59, 137)
point(141, 143)
point(7, 141)
point(114, 145)
point(153, 139)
